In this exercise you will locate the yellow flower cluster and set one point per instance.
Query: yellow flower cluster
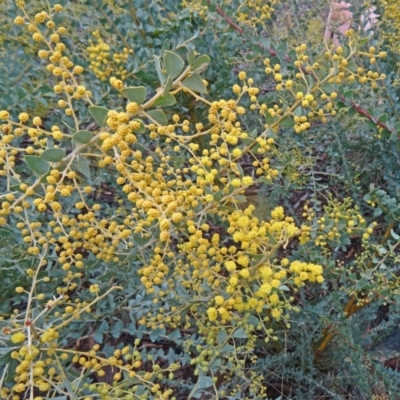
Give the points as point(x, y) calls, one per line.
point(340, 220)
point(103, 61)
point(255, 12)
point(316, 102)
point(18, 337)
point(391, 20)
point(40, 371)
point(247, 261)
point(249, 12)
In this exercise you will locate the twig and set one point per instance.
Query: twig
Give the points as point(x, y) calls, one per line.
point(365, 113)
point(222, 13)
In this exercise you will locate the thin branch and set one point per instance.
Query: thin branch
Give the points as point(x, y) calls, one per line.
point(222, 13)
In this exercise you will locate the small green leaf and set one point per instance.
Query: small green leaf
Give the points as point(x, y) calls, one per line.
point(83, 137)
point(53, 155)
point(175, 335)
point(173, 64)
point(97, 337)
point(264, 180)
point(191, 56)
point(16, 188)
point(269, 119)
point(167, 86)
point(201, 62)
point(99, 114)
point(287, 122)
point(5, 355)
point(221, 336)
point(327, 88)
point(352, 66)
point(141, 241)
point(156, 333)
point(252, 320)
point(195, 83)
point(218, 195)
point(298, 112)
point(135, 94)
point(164, 101)
point(240, 334)
point(271, 134)
point(82, 166)
point(301, 88)
point(161, 75)
point(5, 233)
point(204, 382)
point(158, 116)
point(348, 94)
point(383, 118)
point(228, 348)
point(37, 164)
point(116, 329)
point(43, 178)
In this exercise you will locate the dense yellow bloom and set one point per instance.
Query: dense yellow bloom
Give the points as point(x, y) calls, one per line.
point(18, 337)
point(212, 314)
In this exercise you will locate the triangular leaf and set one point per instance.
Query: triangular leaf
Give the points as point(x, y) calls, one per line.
point(173, 64)
point(166, 100)
point(269, 119)
point(81, 164)
point(201, 62)
point(383, 118)
point(240, 334)
point(161, 76)
point(352, 66)
point(271, 134)
point(191, 56)
point(158, 116)
point(204, 382)
point(348, 94)
point(43, 179)
point(53, 155)
point(221, 336)
point(5, 357)
point(301, 88)
point(83, 137)
point(99, 114)
point(16, 188)
point(327, 88)
point(136, 94)
point(167, 86)
point(195, 83)
point(37, 164)
point(286, 122)
point(141, 240)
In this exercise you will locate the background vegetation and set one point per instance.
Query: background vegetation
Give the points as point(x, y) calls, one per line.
point(199, 199)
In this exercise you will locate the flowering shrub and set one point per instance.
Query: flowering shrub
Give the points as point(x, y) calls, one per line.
point(133, 250)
